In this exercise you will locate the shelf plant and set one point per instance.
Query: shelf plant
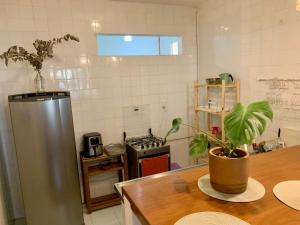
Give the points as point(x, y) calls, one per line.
point(228, 162)
point(44, 49)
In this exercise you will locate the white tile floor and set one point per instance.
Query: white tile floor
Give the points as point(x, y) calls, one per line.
point(108, 216)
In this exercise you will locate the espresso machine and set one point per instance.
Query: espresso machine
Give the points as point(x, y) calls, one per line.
point(93, 146)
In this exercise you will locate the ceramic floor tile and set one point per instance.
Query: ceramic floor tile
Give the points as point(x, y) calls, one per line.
point(118, 210)
point(105, 217)
point(87, 219)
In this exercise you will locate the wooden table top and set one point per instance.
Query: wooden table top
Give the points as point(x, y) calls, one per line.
point(164, 200)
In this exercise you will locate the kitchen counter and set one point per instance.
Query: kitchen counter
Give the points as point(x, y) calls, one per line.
point(164, 200)
point(119, 186)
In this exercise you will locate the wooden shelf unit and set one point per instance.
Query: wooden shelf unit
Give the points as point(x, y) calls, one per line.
point(98, 169)
point(104, 202)
point(211, 111)
point(99, 165)
point(234, 85)
point(222, 112)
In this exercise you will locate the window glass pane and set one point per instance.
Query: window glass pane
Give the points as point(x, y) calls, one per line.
point(170, 45)
point(127, 45)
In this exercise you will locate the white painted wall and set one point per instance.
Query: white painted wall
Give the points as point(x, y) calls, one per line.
point(254, 39)
point(102, 86)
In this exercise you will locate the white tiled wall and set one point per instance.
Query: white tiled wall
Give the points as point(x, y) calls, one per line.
point(253, 39)
point(250, 39)
point(100, 87)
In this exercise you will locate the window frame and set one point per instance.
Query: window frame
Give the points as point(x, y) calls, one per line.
point(132, 34)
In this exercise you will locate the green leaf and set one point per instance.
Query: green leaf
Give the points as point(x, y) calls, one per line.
point(243, 124)
point(175, 127)
point(73, 38)
point(6, 60)
point(199, 145)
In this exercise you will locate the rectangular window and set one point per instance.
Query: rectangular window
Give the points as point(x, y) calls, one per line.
point(127, 45)
point(170, 45)
point(138, 45)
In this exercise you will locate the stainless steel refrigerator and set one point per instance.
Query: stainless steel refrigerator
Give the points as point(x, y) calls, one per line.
point(47, 160)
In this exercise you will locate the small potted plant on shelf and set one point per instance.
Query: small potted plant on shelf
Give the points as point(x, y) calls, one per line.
point(44, 49)
point(228, 163)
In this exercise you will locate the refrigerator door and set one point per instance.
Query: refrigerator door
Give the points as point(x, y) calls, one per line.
point(47, 160)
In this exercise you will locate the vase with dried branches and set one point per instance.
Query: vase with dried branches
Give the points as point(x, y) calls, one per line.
point(44, 49)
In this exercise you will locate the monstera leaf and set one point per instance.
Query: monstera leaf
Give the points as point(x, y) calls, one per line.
point(175, 127)
point(243, 124)
point(199, 145)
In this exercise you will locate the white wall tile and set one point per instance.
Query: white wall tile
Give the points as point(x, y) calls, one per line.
point(262, 43)
point(99, 86)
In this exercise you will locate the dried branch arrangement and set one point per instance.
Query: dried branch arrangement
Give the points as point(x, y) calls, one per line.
point(44, 49)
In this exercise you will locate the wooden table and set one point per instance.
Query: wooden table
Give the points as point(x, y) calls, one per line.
point(164, 200)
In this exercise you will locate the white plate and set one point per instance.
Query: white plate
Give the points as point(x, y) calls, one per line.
point(289, 193)
point(254, 191)
point(210, 218)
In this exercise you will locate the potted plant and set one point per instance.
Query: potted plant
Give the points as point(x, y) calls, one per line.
point(228, 163)
point(44, 49)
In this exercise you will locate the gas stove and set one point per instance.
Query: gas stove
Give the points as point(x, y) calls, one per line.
point(145, 142)
point(141, 147)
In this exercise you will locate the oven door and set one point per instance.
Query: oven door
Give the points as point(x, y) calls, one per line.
point(155, 164)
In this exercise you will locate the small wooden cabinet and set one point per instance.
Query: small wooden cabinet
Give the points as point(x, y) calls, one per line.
point(97, 166)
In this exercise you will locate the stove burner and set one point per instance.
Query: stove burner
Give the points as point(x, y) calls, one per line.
point(144, 142)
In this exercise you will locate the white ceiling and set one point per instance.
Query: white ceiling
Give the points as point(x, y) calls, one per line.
point(190, 3)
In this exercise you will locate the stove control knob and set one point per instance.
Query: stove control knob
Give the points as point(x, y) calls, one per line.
point(153, 144)
point(147, 145)
point(142, 147)
point(157, 144)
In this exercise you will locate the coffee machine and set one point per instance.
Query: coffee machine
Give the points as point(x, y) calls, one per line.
point(93, 146)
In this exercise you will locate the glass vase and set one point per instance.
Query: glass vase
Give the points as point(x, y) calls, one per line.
point(39, 82)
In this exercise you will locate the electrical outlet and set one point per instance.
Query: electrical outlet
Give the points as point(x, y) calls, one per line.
point(163, 105)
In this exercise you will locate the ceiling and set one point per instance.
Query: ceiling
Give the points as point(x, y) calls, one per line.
point(190, 3)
